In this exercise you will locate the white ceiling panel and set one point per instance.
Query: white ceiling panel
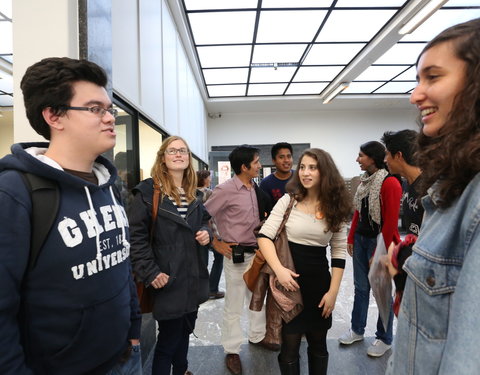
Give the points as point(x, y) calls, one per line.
point(313, 45)
point(272, 74)
point(362, 25)
point(289, 26)
point(223, 27)
point(278, 53)
point(270, 89)
point(306, 88)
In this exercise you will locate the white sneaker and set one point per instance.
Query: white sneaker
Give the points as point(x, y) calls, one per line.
point(378, 348)
point(349, 338)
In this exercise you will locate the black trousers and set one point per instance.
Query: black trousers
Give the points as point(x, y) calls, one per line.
point(172, 345)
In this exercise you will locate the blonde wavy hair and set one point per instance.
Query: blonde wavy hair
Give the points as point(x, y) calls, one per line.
point(162, 177)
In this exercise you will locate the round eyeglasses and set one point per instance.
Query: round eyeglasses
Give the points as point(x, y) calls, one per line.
point(96, 110)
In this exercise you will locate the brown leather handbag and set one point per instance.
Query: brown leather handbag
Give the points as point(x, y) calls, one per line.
point(145, 293)
point(251, 274)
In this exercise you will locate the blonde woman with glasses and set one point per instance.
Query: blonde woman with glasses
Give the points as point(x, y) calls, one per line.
point(169, 259)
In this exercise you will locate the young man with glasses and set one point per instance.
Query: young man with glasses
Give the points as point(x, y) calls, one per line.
point(73, 310)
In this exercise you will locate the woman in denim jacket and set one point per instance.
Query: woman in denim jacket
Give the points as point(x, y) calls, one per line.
point(438, 330)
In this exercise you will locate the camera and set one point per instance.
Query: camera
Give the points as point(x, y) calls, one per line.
point(238, 254)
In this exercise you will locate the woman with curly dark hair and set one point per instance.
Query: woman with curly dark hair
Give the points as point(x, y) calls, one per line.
point(438, 320)
point(317, 220)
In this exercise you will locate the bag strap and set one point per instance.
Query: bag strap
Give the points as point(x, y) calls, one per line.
point(45, 196)
point(286, 214)
point(155, 203)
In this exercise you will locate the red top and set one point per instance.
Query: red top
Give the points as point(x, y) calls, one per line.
point(390, 195)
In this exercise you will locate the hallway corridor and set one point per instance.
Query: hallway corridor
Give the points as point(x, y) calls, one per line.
point(206, 356)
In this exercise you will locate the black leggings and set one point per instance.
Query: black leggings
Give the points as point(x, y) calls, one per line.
point(317, 343)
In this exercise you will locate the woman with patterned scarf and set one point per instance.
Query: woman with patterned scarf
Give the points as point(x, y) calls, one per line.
point(377, 206)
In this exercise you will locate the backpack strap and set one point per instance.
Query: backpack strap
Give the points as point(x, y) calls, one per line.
point(155, 203)
point(45, 196)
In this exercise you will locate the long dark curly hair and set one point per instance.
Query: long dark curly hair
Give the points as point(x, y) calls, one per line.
point(453, 157)
point(332, 194)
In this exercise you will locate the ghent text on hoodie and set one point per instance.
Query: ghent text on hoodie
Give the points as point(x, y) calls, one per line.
point(74, 312)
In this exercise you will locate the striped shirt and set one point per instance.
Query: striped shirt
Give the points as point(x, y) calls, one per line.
point(183, 208)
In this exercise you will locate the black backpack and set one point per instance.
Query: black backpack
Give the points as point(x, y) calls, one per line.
point(45, 196)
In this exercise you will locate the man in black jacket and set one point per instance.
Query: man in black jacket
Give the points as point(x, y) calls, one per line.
point(401, 147)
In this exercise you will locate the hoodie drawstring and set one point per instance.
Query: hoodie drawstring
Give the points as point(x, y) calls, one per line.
point(125, 243)
point(97, 232)
point(118, 214)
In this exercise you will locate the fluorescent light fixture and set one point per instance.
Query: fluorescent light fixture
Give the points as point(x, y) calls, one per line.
point(421, 16)
point(342, 86)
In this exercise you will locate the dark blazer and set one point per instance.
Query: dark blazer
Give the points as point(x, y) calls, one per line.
point(173, 251)
point(264, 202)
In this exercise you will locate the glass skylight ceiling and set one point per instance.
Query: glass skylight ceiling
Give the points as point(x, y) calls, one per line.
point(248, 48)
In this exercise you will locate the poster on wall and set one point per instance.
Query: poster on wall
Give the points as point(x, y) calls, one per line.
point(224, 171)
point(267, 171)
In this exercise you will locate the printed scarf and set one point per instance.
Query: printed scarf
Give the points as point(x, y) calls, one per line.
point(370, 186)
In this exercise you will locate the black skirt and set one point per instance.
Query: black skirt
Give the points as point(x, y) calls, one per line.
point(312, 265)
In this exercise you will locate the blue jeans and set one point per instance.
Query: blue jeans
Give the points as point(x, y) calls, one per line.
point(217, 267)
point(172, 345)
point(132, 367)
point(363, 250)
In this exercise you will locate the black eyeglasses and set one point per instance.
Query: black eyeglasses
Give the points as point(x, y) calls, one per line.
point(96, 110)
point(173, 151)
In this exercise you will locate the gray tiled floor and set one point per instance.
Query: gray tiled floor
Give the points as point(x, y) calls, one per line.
point(206, 356)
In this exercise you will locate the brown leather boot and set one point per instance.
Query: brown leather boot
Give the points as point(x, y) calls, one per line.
point(233, 363)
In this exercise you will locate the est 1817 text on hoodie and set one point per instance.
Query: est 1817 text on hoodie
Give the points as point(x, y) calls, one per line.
point(74, 312)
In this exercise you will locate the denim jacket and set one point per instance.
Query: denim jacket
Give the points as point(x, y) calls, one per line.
point(438, 328)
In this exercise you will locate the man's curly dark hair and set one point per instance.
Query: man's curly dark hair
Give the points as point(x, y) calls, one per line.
point(48, 83)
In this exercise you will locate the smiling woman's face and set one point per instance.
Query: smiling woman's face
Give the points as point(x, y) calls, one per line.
point(177, 161)
point(308, 172)
point(441, 76)
point(366, 162)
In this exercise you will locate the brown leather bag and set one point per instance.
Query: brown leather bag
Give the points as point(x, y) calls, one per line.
point(145, 293)
point(251, 274)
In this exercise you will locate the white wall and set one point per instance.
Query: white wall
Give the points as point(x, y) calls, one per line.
point(40, 29)
point(151, 70)
point(6, 131)
point(339, 133)
point(126, 50)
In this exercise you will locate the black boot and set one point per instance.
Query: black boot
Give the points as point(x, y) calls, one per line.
point(289, 368)
point(317, 364)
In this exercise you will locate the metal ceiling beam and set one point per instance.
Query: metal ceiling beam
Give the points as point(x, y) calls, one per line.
point(386, 38)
